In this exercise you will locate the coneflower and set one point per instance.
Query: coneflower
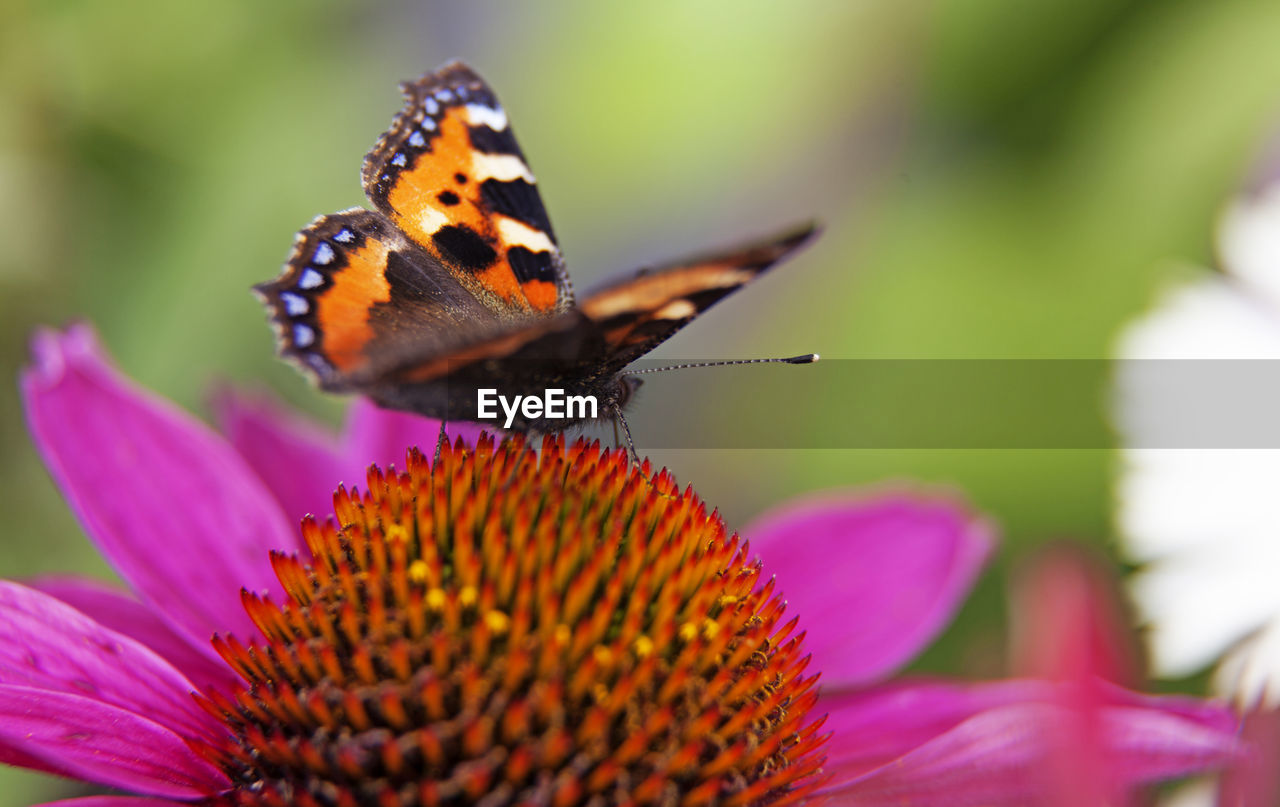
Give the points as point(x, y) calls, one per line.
point(551, 627)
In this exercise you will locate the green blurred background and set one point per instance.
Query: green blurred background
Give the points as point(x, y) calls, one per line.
point(997, 179)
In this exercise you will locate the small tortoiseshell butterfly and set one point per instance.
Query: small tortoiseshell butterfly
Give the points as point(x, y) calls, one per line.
point(455, 281)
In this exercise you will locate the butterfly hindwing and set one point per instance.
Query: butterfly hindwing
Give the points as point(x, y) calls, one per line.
point(356, 295)
point(450, 174)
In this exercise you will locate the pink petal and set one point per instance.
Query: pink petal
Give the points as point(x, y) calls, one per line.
point(383, 436)
point(873, 579)
point(1067, 620)
point(873, 726)
point(46, 644)
point(178, 513)
point(1003, 755)
point(1254, 781)
point(1068, 625)
point(113, 801)
point(98, 743)
point(295, 457)
point(122, 613)
point(15, 757)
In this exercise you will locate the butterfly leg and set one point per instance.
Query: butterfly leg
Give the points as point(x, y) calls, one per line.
point(626, 430)
point(440, 441)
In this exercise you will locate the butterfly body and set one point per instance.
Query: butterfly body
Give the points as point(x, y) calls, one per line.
point(455, 283)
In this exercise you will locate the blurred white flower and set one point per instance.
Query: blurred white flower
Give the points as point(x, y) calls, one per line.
point(1205, 523)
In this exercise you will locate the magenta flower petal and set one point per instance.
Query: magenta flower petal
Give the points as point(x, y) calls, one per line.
point(376, 435)
point(873, 726)
point(123, 614)
point(1254, 780)
point(113, 801)
point(872, 579)
point(14, 756)
point(1006, 755)
point(296, 459)
point(1211, 714)
point(1068, 622)
point(1068, 626)
point(178, 513)
point(48, 645)
point(96, 742)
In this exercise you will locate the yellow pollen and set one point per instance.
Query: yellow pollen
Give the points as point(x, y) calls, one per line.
point(603, 656)
point(418, 571)
point(507, 627)
point(643, 647)
point(497, 622)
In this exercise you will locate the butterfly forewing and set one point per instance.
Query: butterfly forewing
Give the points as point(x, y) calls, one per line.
point(635, 316)
point(450, 174)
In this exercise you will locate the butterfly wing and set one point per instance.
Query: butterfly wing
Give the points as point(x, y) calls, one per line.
point(460, 247)
point(457, 281)
point(619, 323)
point(450, 174)
point(356, 295)
point(635, 316)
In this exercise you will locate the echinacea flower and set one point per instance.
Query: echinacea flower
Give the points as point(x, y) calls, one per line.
point(1203, 522)
point(507, 626)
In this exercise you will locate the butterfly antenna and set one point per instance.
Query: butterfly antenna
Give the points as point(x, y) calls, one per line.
point(808, 358)
point(626, 430)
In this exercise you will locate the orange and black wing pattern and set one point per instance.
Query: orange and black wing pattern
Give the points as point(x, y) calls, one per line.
point(451, 176)
point(455, 281)
point(356, 295)
point(618, 324)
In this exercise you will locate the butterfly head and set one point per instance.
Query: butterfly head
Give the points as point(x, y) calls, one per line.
point(627, 386)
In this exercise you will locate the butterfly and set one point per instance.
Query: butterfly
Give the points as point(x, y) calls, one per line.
point(454, 285)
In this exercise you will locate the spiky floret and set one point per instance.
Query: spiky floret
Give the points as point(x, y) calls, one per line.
point(509, 628)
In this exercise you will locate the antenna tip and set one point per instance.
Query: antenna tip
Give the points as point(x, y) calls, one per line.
point(808, 358)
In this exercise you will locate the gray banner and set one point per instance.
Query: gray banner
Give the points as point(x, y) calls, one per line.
point(960, 404)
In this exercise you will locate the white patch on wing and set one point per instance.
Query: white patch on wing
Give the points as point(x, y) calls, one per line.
point(518, 234)
point(660, 290)
point(502, 167)
point(324, 254)
point(294, 304)
point(431, 220)
point(479, 115)
point(676, 309)
point(303, 336)
point(310, 279)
